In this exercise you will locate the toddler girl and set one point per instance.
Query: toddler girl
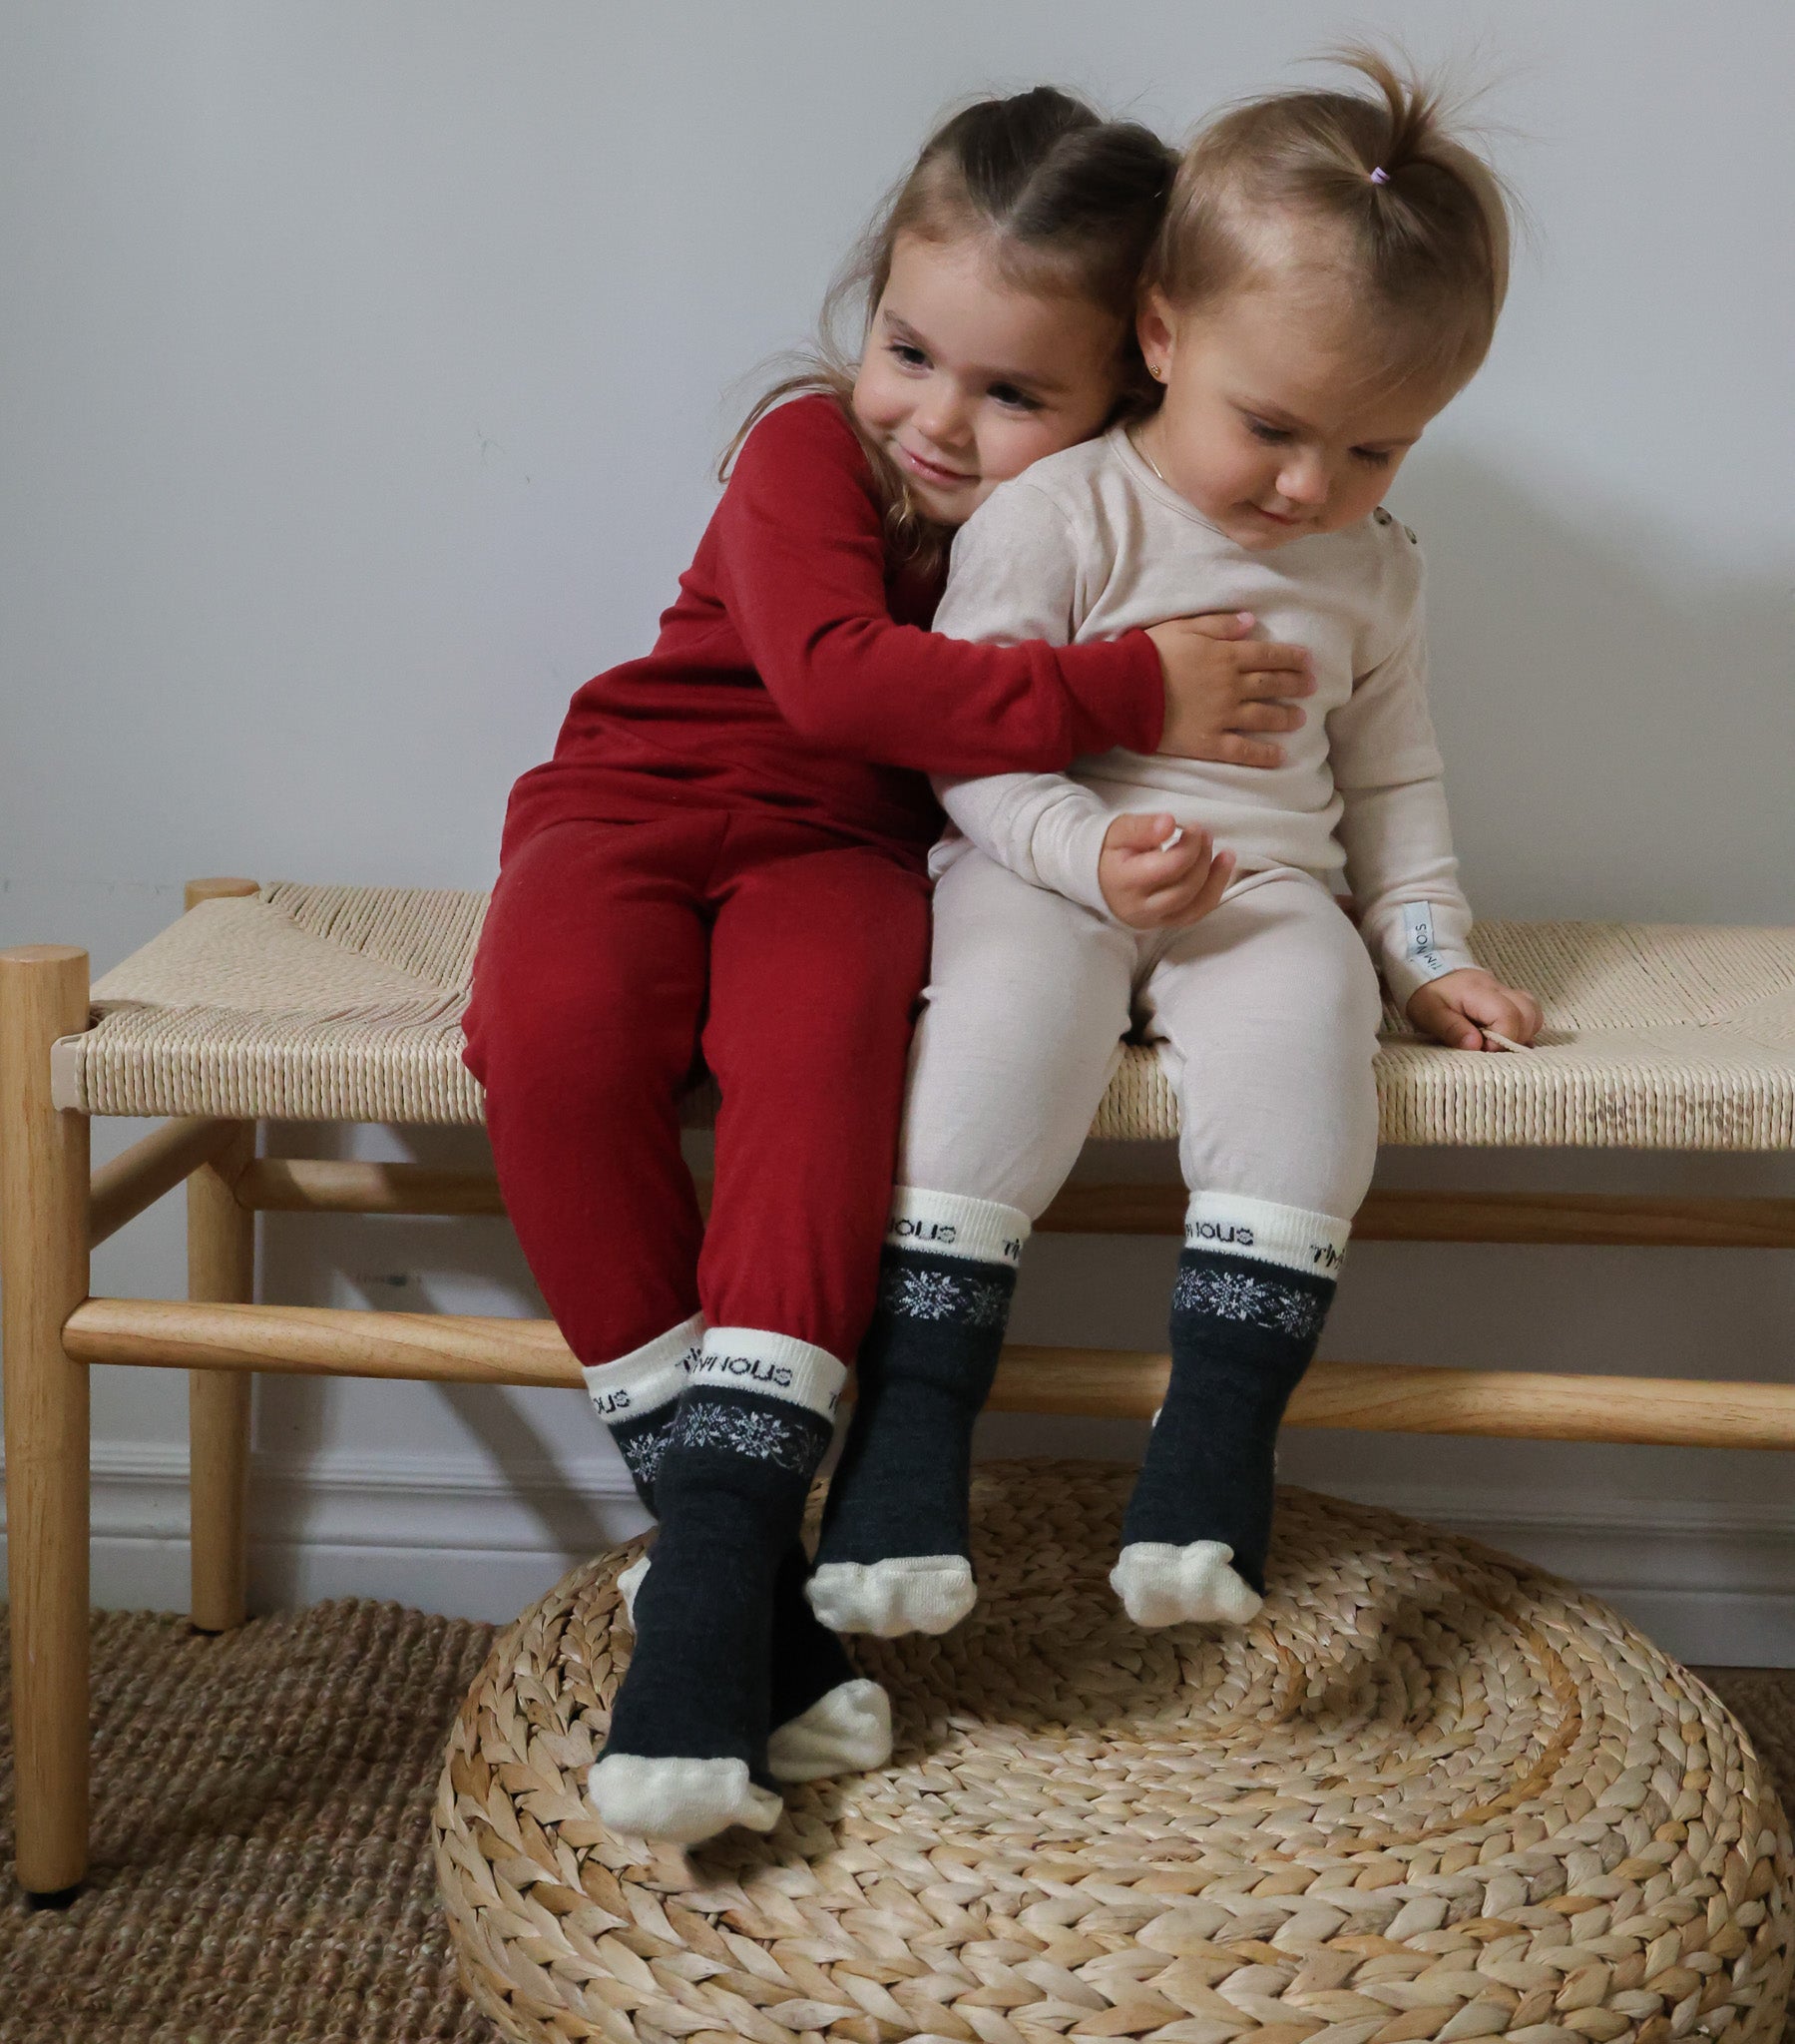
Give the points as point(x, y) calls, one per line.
point(726, 856)
point(1328, 276)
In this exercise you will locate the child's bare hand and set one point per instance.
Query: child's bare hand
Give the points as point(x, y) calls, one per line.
point(1152, 884)
point(1459, 1006)
point(1225, 688)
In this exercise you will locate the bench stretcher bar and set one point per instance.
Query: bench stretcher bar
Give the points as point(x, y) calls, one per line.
point(282, 1185)
point(1394, 1397)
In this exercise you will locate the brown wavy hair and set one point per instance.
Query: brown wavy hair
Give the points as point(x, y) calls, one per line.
point(1423, 243)
point(1069, 202)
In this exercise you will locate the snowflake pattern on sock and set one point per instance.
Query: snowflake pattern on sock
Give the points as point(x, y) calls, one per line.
point(643, 1452)
point(1245, 1295)
point(988, 1305)
point(766, 1436)
point(933, 1296)
point(922, 1294)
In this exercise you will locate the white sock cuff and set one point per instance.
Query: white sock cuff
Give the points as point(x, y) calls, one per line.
point(1232, 1224)
point(980, 1231)
point(775, 1365)
point(649, 1376)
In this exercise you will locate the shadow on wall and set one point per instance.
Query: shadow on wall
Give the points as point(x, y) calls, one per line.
point(1616, 710)
point(524, 1439)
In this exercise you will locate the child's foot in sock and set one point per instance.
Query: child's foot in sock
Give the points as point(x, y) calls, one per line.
point(895, 1552)
point(1254, 1286)
point(826, 1719)
point(1159, 1584)
point(687, 1753)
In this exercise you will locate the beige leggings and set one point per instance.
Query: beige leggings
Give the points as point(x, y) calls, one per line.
point(1266, 1014)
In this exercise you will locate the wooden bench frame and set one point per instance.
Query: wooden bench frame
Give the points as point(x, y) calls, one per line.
point(53, 1212)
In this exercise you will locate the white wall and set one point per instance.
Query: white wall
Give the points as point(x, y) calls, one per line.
point(360, 373)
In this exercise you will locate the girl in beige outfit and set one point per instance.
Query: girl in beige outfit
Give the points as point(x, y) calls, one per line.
point(1329, 277)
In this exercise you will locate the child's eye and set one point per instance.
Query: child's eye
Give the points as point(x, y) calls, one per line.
point(911, 357)
point(1372, 457)
point(1017, 400)
point(1275, 435)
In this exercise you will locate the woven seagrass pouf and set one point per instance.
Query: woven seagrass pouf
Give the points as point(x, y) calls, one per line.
point(1429, 1794)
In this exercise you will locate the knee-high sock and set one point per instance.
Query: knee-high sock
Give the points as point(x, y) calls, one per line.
point(894, 1556)
point(1254, 1284)
point(826, 1719)
point(686, 1755)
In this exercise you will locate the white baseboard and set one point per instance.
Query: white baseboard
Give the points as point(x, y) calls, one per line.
point(473, 1540)
point(443, 1534)
point(1714, 1588)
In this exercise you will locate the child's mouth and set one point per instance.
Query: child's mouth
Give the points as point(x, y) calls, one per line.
point(933, 471)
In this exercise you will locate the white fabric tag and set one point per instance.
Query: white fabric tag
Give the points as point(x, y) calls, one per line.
point(1418, 940)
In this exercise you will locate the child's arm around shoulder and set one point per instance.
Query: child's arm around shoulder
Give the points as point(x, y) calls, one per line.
point(803, 568)
point(1027, 565)
point(1019, 571)
point(1016, 575)
point(1396, 831)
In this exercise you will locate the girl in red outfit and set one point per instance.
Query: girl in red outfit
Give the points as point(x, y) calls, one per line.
point(725, 861)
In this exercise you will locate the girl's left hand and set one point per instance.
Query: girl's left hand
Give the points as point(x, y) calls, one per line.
point(1459, 1006)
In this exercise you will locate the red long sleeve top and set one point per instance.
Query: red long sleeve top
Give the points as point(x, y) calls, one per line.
point(795, 672)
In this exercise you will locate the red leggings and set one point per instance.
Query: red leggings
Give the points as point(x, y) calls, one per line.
point(613, 955)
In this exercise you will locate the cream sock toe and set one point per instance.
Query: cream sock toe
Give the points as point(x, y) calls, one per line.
point(683, 1802)
point(846, 1731)
point(1159, 1584)
point(912, 1592)
point(628, 1584)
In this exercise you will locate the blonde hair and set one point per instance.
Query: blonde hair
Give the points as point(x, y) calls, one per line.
point(1378, 187)
point(1069, 202)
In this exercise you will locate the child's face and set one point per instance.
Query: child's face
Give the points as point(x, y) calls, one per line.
point(1271, 426)
point(967, 379)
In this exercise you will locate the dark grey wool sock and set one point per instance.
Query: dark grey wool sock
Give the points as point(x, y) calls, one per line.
point(895, 1550)
point(637, 1399)
point(687, 1753)
point(921, 1380)
point(1243, 1331)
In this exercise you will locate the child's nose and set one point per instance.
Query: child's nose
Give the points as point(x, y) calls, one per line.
point(941, 415)
point(1304, 480)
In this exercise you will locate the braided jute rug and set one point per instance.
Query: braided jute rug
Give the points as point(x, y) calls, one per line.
point(261, 1839)
point(262, 1842)
point(1429, 1794)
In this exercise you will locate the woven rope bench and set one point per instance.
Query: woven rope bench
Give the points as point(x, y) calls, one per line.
point(303, 1003)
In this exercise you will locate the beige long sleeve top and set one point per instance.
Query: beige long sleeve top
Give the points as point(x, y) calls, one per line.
point(1089, 543)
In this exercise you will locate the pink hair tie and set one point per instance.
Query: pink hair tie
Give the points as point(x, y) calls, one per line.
point(1380, 175)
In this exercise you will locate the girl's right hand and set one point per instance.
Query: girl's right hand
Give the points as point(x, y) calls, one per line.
point(1224, 686)
point(1152, 886)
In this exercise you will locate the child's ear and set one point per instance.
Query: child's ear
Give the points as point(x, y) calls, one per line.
point(1156, 330)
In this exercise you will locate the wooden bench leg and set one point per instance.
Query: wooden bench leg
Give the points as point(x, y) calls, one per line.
point(44, 1274)
point(220, 1267)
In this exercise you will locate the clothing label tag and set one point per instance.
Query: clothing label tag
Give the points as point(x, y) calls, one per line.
point(1418, 939)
